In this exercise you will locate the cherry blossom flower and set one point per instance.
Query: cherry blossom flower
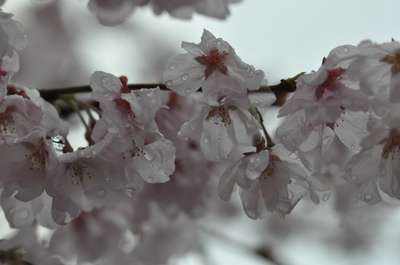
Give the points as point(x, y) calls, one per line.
point(270, 181)
point(26, 163)
point(84, 180)
point(11, 35)
point(220, 128)
point(123, 110)
point(205, 61)
point(377, 68)
point(378, 161)
point(18, 116)
point(325, 94)
point(51, 122)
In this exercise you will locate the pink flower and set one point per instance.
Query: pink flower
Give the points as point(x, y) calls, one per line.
point(377, 68)
point(270, 181)
point(204, 62)
point(11, 35)
point(123, 110)
point(379, 160)
point(26, 164)
point(325, 94)
point(18, 116)
point(83, 180)
point(220, 128)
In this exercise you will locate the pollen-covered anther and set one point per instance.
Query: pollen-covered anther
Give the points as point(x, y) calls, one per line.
point(6, 123)
point(78, 173)
point(391, 145)
point(270, 168)
point(135, 152)
point(220, 115)
point(393, 59)
point(38, 157)
point(214, 60)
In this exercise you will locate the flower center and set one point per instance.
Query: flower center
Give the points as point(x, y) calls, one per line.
point(38, 156)
point(391, 144)
point(6, 122)
point(220, 114)
point(78, 173)
point(393, 59)
point(213, 61)
point(334, 76)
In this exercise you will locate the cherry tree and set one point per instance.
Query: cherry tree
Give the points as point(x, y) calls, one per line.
point(163, 161)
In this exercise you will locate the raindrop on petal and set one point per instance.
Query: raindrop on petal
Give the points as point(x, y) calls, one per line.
point(368, 197)
point(185, 77)
point(168, 83)
point(58, 142)
point(150, 179)
point(172, 66)
point(206, 140)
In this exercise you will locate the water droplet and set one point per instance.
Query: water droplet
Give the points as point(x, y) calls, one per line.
point(326, 197)
point(192, 64)
point(168, 83)
point(172, 66)
point(150, 179)
point(203, 78)
point(58, 142)
point(188, 90)
point(283, 137)
point(148, 156)
point(342, 140)
point(206, 140)
point(345, 49)
point(185, 77)
point(94, 151)
point(217, 157)
point(101, 193)
point(258, 159)
point(368, 197)
point(354, 177)
point(352, 146)
point(150, 165)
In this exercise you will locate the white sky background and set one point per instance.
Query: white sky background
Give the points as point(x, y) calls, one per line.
point(282, 38)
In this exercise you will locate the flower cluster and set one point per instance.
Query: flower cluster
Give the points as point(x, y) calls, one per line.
point(111, 12)
point(162, 159)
